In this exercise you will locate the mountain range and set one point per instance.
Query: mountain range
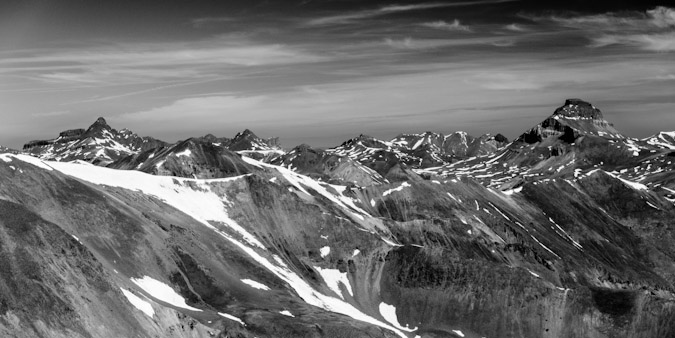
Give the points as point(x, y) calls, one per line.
point(565, 231)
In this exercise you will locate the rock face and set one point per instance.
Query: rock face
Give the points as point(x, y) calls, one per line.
point(551, 239)
point(99, 144)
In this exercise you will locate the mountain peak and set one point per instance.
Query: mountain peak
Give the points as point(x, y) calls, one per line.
point(98, 126)
point(247, 133)
point(578, 108)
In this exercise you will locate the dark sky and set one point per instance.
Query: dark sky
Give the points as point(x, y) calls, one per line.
point(320, 72)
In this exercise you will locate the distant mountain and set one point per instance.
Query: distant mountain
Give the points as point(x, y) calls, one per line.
point(99, 144)
point(574, 139)
point(417, 150)
point(574, 119)
point(247, 141)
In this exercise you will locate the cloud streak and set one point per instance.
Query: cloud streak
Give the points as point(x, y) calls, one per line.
point(145, 63)
point(456, 25)
point(201, 22)
point(652, 30)
point(650, 42)
point(347, 18)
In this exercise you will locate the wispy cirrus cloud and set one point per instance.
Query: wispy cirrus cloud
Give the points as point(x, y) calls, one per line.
point(350, 17)
point(652, 30)
point(56, 113)
point(201, 22)
point(514, 27)
point(664, 42)
point(455, 25)
point(420, 44)
point(143, 63)
point(656, 18)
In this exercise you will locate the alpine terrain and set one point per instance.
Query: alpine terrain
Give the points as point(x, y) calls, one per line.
point(566, 231)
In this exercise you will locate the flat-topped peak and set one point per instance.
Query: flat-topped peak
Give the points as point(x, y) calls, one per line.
point(578, 108)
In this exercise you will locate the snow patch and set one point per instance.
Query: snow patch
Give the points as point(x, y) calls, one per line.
point(162, 292)
point(231, 317)
point(653, 206)
point(399, 188)
point(458, 332)
point(287, 313)
point(139, 303)
point(634, 185)
point(513, 191)
point(533, 273)
point(325, 251)
point(333, 278)
point(390, 242)
point(388, 312)
point(255, 285)
point(187, 152)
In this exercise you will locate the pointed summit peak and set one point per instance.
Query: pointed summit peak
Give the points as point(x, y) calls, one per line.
point(578, 109)
point(247, 133)
point(98, 125)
